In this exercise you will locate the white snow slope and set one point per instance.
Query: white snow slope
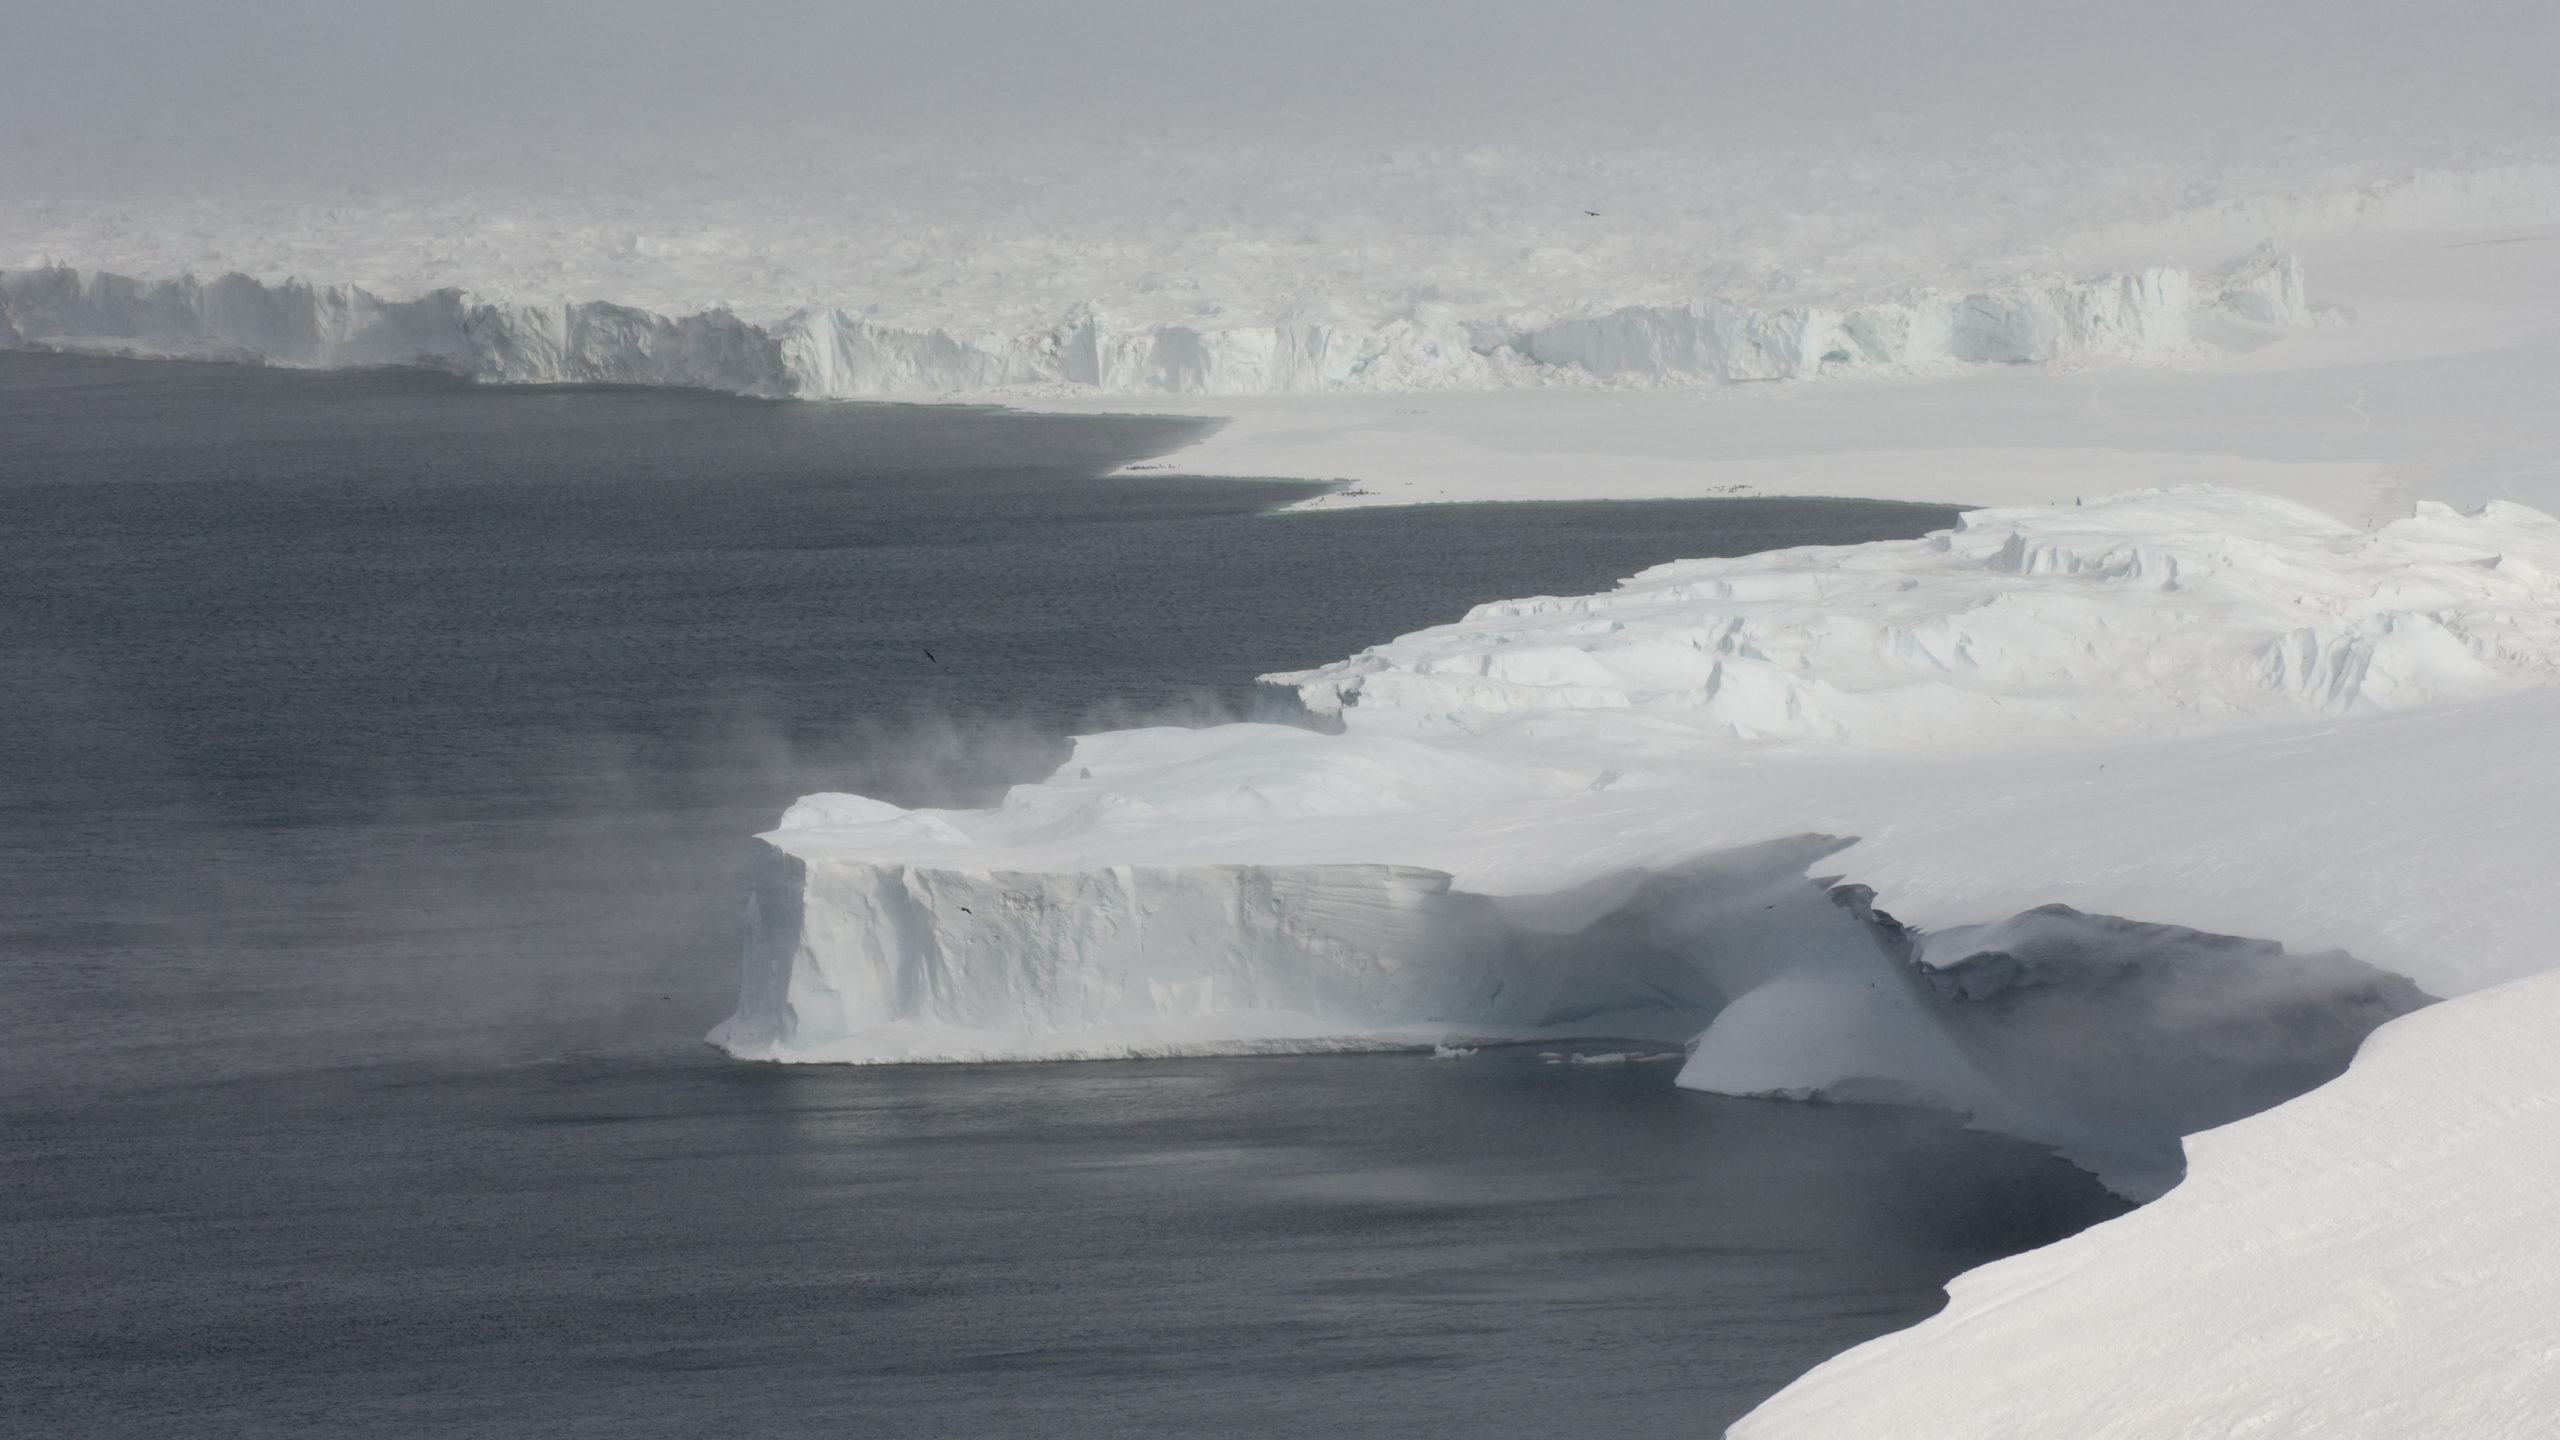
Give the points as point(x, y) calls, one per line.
point(2373, 1259)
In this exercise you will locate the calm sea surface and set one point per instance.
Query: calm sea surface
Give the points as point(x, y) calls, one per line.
point(375, 753)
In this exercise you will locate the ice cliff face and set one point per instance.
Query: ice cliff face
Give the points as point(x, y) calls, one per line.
point(2105, 1038)
point(2136, 316)
point(826, 352)
point(856, 959)
point(1655, 814)
point(295, 324)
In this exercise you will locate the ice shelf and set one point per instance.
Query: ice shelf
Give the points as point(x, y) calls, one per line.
point(838, 352)
point(1688, 808)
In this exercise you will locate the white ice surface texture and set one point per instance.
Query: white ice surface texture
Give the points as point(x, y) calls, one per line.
point(1551, 819)
point(837, 351)
point(2105, 1039)
point(2156, 613)
point(855, 959)
point(237, 318)
point(2133, 315)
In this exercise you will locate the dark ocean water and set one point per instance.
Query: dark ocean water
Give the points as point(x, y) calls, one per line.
point(374, 762)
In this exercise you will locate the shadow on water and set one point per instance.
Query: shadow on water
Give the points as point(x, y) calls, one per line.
point(371, 798)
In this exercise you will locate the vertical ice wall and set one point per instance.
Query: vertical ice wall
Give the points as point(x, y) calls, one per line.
point(2104, 1038)
point(828, 352)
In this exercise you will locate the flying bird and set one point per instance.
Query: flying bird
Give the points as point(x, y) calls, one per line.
point(929, 656)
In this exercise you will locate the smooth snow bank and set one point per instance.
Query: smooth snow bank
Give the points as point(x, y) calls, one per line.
point(2373, 1259)
point(2146, 614)
point(838, 352)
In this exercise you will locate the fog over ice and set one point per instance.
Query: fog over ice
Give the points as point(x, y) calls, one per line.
point(105, 94)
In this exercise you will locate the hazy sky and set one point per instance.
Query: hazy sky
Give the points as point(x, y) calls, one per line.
point(206, 87)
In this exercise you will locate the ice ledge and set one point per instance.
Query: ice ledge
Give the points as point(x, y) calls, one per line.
point(2104, 1038)
point(2190, 710)
point(830, 352)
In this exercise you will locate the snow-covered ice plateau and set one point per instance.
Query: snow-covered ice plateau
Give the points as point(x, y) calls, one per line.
point(831, 352)
point(1170, 268)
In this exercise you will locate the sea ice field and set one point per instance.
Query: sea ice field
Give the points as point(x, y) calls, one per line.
point(2166, 805)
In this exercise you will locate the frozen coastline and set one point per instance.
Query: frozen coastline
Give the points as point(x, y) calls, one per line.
point(2272, 747)
point(2103, 823)
point(1325, 271)
point(1982, 826)
point(2069, 330)
point(1596, 816)
point(830, 352)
